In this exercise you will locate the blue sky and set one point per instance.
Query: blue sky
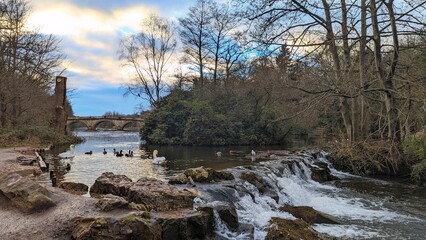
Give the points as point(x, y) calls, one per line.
point(90, 31)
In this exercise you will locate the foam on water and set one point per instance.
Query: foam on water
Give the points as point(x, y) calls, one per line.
point(295, 187)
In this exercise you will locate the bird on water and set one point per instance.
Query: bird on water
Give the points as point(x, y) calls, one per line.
point(158, 160)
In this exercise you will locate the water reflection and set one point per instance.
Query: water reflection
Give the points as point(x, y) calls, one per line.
point(86, 168)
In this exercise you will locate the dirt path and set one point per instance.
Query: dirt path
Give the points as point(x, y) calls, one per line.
point(54, 223)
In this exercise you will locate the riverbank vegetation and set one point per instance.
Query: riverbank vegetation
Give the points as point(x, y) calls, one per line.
point(258, 73)
point(29, 61)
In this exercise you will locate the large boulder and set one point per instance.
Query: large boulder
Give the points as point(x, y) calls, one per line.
point(321, 173)
point(27, 195)
point(160, 196)
point(186, 224)
point(261, 184)
point(309, 214)
point(74, 188)
point(134, 226)
point(109, 183)
point(110, 202)
point(292, 230)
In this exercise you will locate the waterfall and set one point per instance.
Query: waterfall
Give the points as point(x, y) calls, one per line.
point(259, 191)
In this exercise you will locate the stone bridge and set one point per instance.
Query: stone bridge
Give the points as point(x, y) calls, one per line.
point(92, 123)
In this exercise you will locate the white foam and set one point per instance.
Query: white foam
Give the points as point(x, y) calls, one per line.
point(347, 231)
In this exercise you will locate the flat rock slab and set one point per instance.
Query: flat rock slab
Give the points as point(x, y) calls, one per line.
point(25, 194)
point(134, 226)
point(160, 196)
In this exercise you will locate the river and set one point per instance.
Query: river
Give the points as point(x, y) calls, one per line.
point(367, 208)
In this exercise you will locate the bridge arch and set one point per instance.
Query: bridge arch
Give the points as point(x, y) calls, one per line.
point(71, 123)
point(117, 123)
point(95, 125)
point(128, 124)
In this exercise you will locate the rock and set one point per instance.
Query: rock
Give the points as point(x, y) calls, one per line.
point(264, 187)
point(137, 206)
point(321, 172)
point(133, 226)
point(178, 179)
point(187, 224)
point(228, 214)
point(309, 215)
point(27, 195)
point(222, 175)
point(110, 202)
point(108, 182)
point(292, 230)
point(207, 175)
point(74, 188)
point(160, 196)
point(199, 174)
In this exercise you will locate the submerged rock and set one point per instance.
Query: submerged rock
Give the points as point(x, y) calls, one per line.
point(292, 230)
point(27, 195)
point(74, 188)
point(108, 182)
point(309, 214)
point(160, 196)
point(264, 187)
point(228, 214)
point(133, 226)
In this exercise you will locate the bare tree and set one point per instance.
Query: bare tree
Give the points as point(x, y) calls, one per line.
point(341, 36)
point(148, 53)
point(194, 37)
point(28, 62)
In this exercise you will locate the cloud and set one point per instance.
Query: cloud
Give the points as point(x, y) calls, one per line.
point(90, 36)
point(90, 32)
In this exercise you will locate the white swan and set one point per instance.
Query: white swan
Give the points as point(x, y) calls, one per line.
point(69, 154)
point(158, 160)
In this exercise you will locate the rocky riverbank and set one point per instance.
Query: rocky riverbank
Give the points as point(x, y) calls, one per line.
point(145, 209)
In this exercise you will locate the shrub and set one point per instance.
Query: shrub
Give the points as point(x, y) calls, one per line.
point(415, 148)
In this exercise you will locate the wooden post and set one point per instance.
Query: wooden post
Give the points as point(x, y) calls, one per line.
point(60, 97)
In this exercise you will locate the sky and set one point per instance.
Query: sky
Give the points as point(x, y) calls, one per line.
point(90, 32)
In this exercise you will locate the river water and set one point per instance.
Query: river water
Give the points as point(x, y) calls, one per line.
point(367, 208)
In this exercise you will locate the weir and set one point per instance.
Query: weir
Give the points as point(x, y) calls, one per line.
point(288, 181)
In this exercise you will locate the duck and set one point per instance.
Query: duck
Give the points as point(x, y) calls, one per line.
point(89, 152)
point(104, 152)
point(119, 154)
point(130, 154)
point(158, 160)
point(68, 167)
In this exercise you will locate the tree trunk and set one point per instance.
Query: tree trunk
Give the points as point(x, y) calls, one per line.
point(60, 99)
point(344, 106)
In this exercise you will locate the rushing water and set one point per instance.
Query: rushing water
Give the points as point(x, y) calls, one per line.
point(367, 208)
